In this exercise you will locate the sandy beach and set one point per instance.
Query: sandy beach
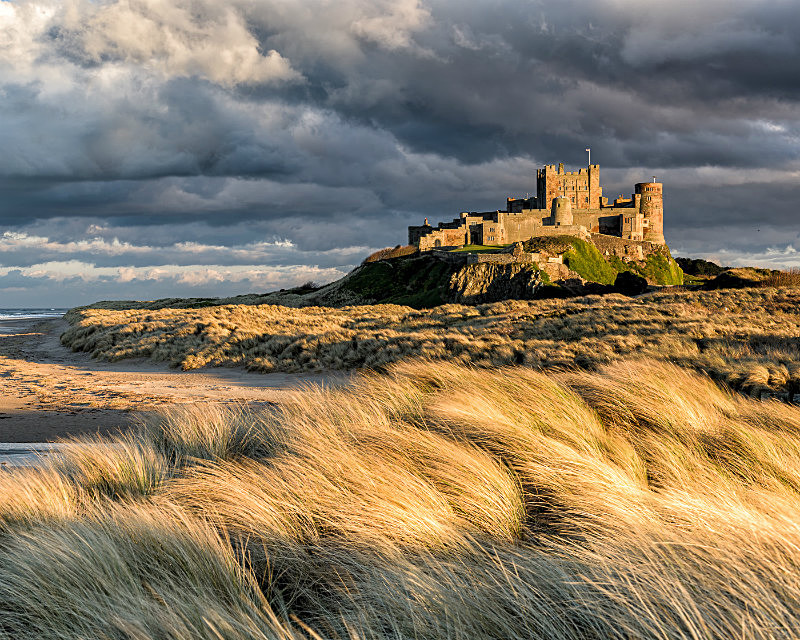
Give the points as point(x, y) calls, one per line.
point(48, 392)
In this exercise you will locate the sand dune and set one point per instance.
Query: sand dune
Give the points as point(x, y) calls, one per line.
point(49, 392)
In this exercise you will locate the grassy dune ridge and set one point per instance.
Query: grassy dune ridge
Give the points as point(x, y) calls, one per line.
point(437, 500)
point(746, 338)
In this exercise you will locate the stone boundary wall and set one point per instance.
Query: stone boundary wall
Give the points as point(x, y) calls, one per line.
point(564, 230)
point(502, 258)
point(446, 256)
point(463, 257)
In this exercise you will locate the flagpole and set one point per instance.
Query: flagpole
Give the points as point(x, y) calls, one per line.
point(589, 151)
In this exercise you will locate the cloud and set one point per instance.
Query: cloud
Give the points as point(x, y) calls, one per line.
point(175, 38)
point(24, 250)
point(391, 23)
point(774, 257)
point(67, 284)
point(333, 126)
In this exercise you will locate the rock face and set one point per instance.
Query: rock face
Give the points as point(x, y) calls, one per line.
point(488, 282)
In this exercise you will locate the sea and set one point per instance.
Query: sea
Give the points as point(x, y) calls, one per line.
point(14, 454)
point(26, 313)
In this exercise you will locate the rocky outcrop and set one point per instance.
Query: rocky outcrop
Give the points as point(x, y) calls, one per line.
point(543, 267)
point(630, 284)
point(488, 282)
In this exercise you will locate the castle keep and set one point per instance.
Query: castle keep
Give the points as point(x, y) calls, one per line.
point(566, 203)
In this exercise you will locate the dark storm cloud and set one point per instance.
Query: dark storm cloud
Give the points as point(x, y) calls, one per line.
point(332, 126)
point(522, 79)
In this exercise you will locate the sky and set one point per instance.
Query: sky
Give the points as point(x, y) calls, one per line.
point(154, 148)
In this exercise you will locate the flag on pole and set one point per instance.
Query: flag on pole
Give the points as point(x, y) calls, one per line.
point(588, 149)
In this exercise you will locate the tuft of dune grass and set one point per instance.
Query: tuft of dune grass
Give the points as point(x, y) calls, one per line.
point(29, 496)
point(142, 573)
point(117, 467)
point(202, 432)
point(435, 500)
point(686, 427)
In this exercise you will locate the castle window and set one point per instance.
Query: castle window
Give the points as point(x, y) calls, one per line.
point(648, 198)
point(587, 198)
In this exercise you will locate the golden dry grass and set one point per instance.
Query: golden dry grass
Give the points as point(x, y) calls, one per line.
point(747, 338)
point(391, 252)
point(790, 278)
point(436, 500)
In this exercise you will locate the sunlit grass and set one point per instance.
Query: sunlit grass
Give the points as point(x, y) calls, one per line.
point(436, 500)
point(746, 338)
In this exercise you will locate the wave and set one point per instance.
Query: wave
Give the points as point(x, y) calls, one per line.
point(31, 313)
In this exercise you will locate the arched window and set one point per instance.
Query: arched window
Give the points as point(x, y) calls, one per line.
point(437, 244)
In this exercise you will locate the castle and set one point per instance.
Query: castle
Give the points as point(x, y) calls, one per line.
point(566, 203)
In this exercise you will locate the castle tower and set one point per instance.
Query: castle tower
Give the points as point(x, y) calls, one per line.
point(651, 206)
point(582, 185)
point(546, 186)
point(595, 190)
point(562, 211)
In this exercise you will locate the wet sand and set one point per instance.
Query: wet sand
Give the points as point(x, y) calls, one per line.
point(47, 392)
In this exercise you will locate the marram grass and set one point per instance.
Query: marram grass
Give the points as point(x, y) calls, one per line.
point(746, 338)
point(433, 501)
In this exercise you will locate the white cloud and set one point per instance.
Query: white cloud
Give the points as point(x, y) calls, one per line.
point(391, 23)
point(259, 278)
point(782, 258)
point(174, 37)
point(69, 254)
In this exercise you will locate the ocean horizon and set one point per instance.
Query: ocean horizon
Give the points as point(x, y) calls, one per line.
point(27, 313)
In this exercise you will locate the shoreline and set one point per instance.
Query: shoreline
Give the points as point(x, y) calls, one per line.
point(50, 393)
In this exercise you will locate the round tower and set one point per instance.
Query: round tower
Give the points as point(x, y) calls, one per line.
point(562, 211)
point(651, 206)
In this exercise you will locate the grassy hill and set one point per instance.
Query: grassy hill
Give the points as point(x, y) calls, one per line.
point(416, 281)
point(421, 280)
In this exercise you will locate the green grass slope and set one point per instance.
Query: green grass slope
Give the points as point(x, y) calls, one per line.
point(585, 259)
point(659, 268)
point(417, 282)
